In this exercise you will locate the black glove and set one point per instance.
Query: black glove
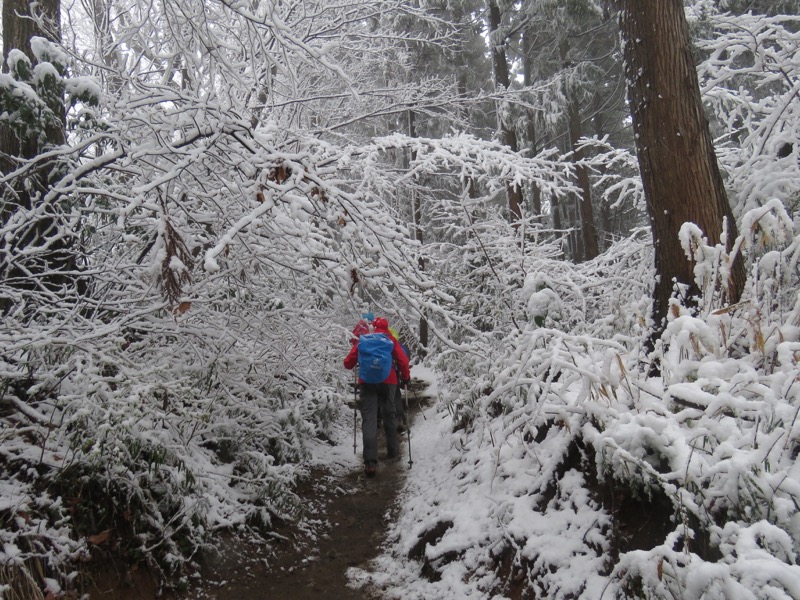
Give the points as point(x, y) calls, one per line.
point(404, 383)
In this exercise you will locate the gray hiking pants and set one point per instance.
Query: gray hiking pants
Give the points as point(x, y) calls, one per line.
point(372, 395)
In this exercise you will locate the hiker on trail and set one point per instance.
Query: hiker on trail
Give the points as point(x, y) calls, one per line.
point(375, 354)
point(399, 405)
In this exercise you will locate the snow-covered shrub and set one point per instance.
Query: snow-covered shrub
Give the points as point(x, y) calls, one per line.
point(518, 398)
point(716, 433)
point(747, 80)
point(574, 473)
point(128, 447)
point(33, 97)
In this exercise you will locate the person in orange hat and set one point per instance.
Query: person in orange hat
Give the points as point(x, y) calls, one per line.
point(377, 382)
point(399, 404)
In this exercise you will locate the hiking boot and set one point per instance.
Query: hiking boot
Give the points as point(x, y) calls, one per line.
point(370, 469)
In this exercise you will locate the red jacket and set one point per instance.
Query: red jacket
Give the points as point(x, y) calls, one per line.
point(399, 356)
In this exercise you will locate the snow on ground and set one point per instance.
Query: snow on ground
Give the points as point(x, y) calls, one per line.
point(335, 454)
point(430, 444)
point(464, 511)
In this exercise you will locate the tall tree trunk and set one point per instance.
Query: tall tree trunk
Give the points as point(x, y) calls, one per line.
point(38, 254)
point(680, 175)
point(586, 246)
point(598, 128)
point(588, 230)
point(575, 247)
point(530, 123)
point(101, 15)
point(502, 82)
point(607, 224)
point(555, 211)
point(416, 205)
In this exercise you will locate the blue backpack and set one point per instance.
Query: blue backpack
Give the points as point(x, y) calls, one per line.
point(374, 357)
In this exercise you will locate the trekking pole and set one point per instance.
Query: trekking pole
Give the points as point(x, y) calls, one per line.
point(355, 408)
point(408, 426)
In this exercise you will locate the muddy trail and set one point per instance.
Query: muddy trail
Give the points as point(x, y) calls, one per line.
point(346, 521)
point(354, 514)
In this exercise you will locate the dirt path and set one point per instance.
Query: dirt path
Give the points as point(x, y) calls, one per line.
point(345, 524)
point(353, 514)
point(349, 517)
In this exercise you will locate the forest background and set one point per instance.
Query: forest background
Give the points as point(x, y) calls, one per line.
point(199, 198)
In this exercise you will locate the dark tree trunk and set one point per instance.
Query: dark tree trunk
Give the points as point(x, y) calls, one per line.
point(586, 246)
point(502, 81)
point(416, 205)
point(588, 231)
point(555, 210)
point(681, 178)
point(530, 123)
point(598, 125)
point(38, 254)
